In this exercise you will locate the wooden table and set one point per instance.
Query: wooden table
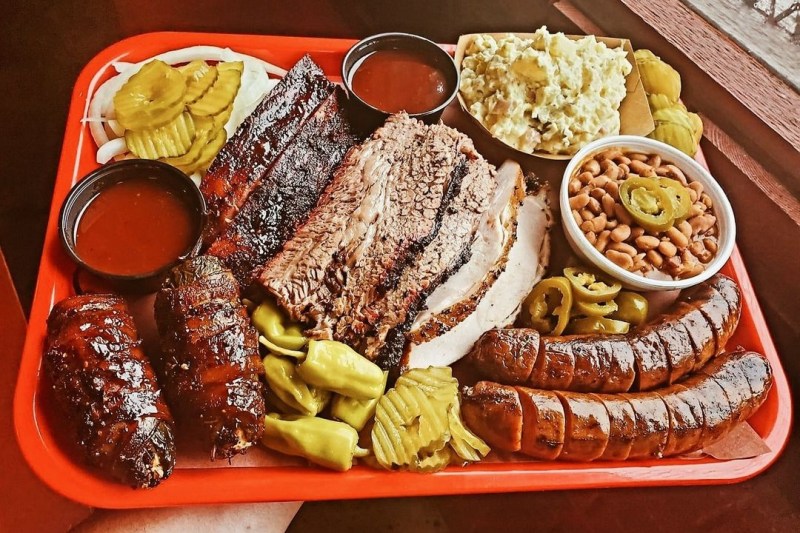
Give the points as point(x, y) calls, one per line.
point(42, 48)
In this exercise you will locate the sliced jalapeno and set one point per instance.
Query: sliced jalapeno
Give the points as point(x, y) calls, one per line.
point(596, 309)
point(549, 305)
point(648, 203)
point(681, 201)
point(598, 325)
point(632, 308)
point(589, 287)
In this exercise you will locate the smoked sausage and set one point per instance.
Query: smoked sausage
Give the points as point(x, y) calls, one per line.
point(696, 328)
point(677, 419)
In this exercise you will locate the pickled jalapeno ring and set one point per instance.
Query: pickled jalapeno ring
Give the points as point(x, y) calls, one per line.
point(596, 309)
point(632, 308)
point(600, 325)
point(589, 287)
point(681, 201)
point(648, 203)
point(549, 302)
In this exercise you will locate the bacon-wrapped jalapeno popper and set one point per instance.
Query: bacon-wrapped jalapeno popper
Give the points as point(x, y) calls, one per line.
point(107, 387)
point(210, 362)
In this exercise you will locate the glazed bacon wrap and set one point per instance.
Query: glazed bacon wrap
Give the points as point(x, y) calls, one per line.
point(107, 387)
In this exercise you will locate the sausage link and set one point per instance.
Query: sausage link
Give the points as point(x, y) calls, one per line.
point(543, 434)
point(678, 419)
point(494, 413)
point(108, 389)
point(694, 330)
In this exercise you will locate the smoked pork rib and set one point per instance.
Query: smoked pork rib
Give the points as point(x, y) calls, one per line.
point(287, 192)
point(210, 361)
point(241, 164)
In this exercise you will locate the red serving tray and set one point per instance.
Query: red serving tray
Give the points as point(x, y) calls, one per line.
point(57, 468)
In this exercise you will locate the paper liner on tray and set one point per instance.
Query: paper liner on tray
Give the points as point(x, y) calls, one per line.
point(634, 111)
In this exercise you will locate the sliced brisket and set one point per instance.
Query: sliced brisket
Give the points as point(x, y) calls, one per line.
point(398, 217)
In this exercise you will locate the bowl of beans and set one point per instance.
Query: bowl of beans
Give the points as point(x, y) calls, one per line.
point(646, 214)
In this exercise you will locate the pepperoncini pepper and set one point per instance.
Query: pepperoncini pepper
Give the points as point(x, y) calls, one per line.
point(324, 442)
point(550, 299)
point(336, 367)
point(648, 203)
point(277, 329)
point(589, 287)
point(289, 387)
point(354, 412)
point(599, 325)
point(632, 308)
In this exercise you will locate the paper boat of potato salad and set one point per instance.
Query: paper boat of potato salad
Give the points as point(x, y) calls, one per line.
point(634, 110)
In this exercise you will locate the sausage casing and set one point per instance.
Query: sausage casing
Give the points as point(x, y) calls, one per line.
point(108, 388)
point(543, 437)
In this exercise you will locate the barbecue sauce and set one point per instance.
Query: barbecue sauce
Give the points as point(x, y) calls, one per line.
point(136, 226)
point(399, 80)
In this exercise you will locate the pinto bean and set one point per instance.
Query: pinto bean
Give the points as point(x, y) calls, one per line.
point(620, 259)
point(647, 242)
point(621, 233)
point(579, 201)
point(602, 241)
point(592, 166)
point(677, 237)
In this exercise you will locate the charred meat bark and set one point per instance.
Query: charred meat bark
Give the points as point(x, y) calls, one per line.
point(108, 389)
point(287, 191)
point(210, 362)
point(241, 164)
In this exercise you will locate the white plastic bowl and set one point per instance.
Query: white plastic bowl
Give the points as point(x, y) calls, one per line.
point(693, 172)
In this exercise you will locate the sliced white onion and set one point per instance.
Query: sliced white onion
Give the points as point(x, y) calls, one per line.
point(116, 127)
point(111, 149)
point(255, 85)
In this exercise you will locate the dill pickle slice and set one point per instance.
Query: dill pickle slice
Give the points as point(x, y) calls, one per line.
point(192, 156)
point(207, 153)
point(221, 94)
point(464, 442)
point(200, 76)
point(438, 460)
point(170, 140)
point(151, 98)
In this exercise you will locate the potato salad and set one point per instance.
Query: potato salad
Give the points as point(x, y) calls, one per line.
point(548, 93)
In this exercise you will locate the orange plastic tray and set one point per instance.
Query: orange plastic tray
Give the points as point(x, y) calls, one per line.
point(246, 484)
